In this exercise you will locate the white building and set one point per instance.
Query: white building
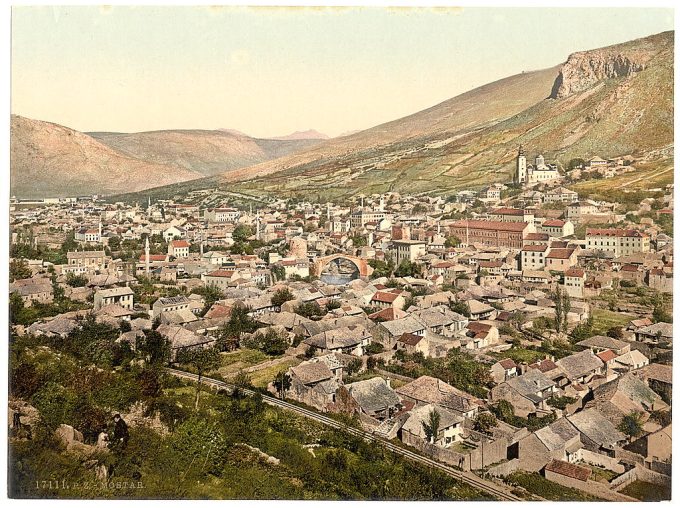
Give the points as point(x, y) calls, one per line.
point(533, 174)
point(620, 242)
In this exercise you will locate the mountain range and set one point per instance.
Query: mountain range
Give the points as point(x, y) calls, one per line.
point(607, 102)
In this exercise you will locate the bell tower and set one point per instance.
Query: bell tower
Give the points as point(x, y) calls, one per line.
point(521, 175)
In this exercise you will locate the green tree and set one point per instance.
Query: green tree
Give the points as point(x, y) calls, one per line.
point(203, 360)
point(76, 281)
point(18, 269)
point(240, 323)
point(210, 293)
point(242, 233)
point(452, 241)
point(282, 296)
point(485, 422)
point(282, 383)
point(154, 347)
point(431, 426)
point(631, 424)
point(461, 307)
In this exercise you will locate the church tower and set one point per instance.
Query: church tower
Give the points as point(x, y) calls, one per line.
point(521, 175)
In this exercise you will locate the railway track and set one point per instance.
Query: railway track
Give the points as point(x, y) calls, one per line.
point(463, 476)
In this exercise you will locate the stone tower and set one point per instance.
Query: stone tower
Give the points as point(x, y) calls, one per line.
point(521, 176)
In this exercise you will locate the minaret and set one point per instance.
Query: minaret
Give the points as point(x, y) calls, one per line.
point(146, 257)
point(521, 166)
point(328, 211)
point(100, 231)
point(257, 226)
point(149, 206)
point(382, 203)
point(200, 245)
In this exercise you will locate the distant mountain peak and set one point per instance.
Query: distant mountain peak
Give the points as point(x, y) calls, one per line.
point(308, 134)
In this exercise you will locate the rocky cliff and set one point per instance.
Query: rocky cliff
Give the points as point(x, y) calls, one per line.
point(586, 68)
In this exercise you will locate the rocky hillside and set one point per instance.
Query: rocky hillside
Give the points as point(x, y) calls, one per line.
point(608, 102)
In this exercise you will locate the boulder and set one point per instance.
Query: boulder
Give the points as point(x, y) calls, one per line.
point(68, 435)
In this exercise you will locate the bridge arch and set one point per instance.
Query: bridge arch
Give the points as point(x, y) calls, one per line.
point(360, 263)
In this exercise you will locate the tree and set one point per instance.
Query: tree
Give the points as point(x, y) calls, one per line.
point(210, 293)
point(203, 359)
point(452, 241)
point(76, 281)
point(485, 422)
point(431, 426)
point(562, 309)
point(282, 383)
point(461, 307)
point(615, 332)
point(282, 296)
point(242, 233)
point(309, 310)
point(155, 347)
point(240, 322)
point(631, 424)
point(18, 269)
point(278, 272)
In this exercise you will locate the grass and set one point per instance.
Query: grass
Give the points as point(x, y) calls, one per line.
point(601, 474)
point(261, 378)
point(604, 319)
point(232, 363)
point(519, 355)
point(645, 491)
point(551, 491)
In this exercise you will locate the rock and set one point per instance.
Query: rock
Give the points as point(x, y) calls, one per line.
point(27, 414)
point(68, 435)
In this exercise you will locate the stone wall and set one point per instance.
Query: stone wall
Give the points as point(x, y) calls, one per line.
point(597, 459)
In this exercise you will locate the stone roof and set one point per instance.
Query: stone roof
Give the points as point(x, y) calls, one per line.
point(530, 382)
point(420, 415)
point(592, 424)
point(657, 371)
point(580, 364)
point(397, 327)
point(602, 341)
point(312, 372)
point(373, 394)
point(432, 390)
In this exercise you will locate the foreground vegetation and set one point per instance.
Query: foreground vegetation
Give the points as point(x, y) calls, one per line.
point(182, 452)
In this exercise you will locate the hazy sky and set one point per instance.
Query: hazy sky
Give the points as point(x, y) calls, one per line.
point(272, 71)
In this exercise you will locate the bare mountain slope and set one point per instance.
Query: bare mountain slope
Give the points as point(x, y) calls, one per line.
point(51, 160)
point(207, 152)
point(607, 102)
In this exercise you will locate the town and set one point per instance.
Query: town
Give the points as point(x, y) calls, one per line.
point(519, 331)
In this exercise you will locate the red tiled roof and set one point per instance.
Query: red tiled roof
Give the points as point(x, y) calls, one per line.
point(569, 470)
point(508, 211)
point(152, 257)
point(220, 273)
point(574, 272)
point(538, 236)
point(410, 339)
point(384, 296)
point(508, 364)
point(560, 253)
point(180, 243)
point(554, 223)
point(544, 365)
point(607, 355)
point(535, 248)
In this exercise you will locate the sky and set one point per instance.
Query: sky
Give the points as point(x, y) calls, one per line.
point(272, 71)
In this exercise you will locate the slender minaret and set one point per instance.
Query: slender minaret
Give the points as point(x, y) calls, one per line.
point(328, 211)
point(521, 165)
point(257, 226)
point(382, 203)
point(149, 206)
point(146, 257)
point(100, 231)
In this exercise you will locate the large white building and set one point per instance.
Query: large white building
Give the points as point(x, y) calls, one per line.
point(407, 250)
point(620, 242)
point(536, 173)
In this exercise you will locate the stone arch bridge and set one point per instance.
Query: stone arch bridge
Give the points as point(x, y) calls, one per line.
point(361, 264)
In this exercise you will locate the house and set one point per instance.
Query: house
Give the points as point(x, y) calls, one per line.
point(597, 433)
point(390, 331)
point(533, 256)
point(581, 367)
point(429, 390)
point(491, 233)
point(442, 320)
point(631, 360)
point(347, 339)
point(386, 299)
point(599, 343)
point(560, 260)
point(122, 296)
point(449, 431)
point(34, 290)
point(557, 228)
point(561, 195)
point(574, 282)
point(480, 335)
point(566, 473)
point(95, 259)
point(527, 393)
point(559, 440)
point(503, 370)
point(659, 378)
point(656, 446)
point(221, 214)
point(480, 311)
point(169, 304)
point(407, 250)
point(577, 211)
point(625, 394)
point(313, 383)
point(375, 398)
point(656, 334)
point(619, 242)
point(411, 344)
point(173, 232)
point(178, 248)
